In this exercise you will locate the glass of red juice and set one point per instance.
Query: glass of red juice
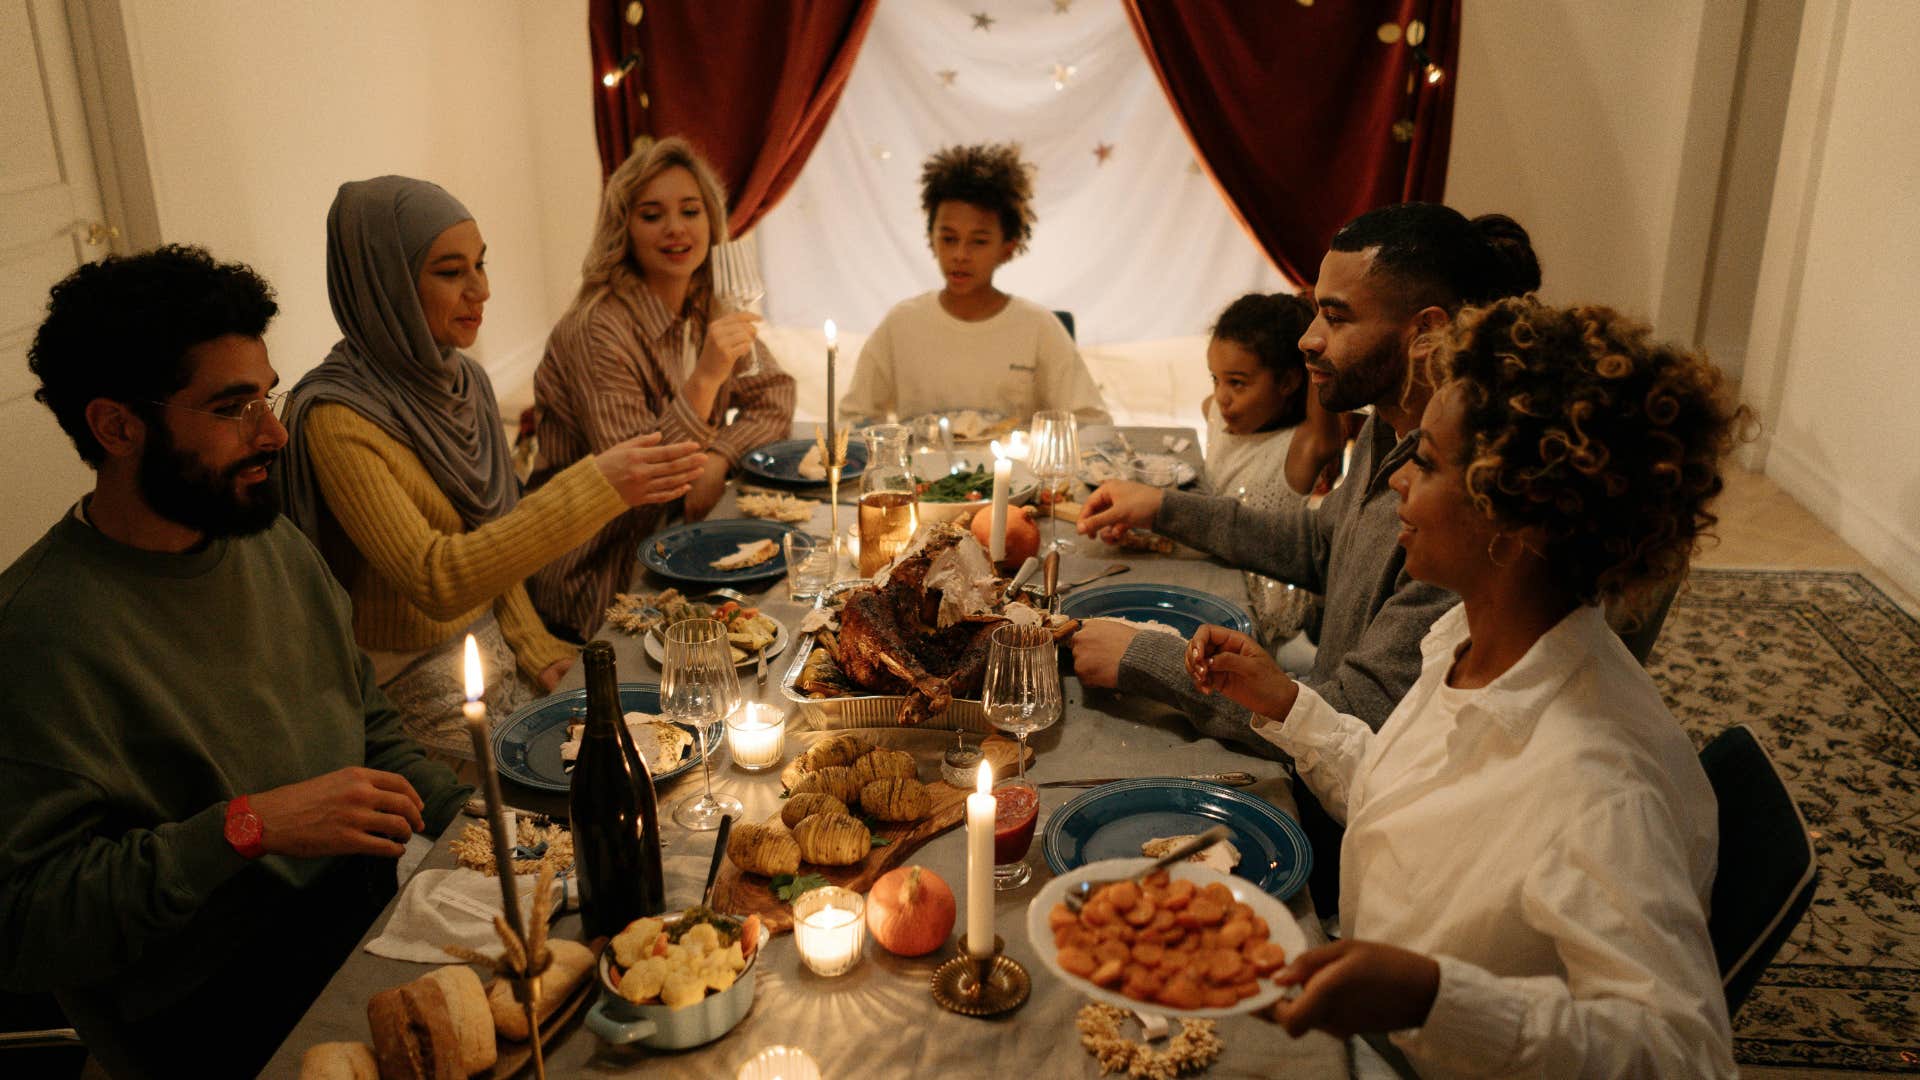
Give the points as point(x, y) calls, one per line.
point(1017, 808)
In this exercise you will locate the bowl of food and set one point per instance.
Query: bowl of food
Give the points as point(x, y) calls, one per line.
point(675, 981)
point(957, 495)
point(1190, 941)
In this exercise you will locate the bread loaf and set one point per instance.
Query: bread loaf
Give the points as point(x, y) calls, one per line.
point(572, 962)
point(472, 1018)
point(413, 1036)
point(340, 1061)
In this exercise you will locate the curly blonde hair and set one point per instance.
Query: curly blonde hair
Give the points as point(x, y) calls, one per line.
point(1577, 422)
point(990, 176)
point(608, 255)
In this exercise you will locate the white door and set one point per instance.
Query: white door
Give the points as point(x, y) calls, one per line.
point(50, 222)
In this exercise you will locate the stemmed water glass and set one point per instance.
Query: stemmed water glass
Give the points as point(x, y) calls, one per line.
point(737, 285)
point(1021, 691)
point(699, 688)
point(1053, 454)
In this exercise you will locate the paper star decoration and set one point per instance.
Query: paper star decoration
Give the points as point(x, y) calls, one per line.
point(1062, 7)
point(947, 75)
point(1103, 151)
point(1063, 74)
point(983, 21)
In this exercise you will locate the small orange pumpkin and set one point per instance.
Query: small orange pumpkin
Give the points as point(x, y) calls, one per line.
point(910, 911)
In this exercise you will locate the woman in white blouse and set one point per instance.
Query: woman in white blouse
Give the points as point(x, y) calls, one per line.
point(1530, 839)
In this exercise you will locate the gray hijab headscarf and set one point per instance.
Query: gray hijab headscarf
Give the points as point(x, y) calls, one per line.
point(432, 398)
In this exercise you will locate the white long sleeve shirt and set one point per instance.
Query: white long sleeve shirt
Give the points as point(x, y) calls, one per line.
point(922, 360)
point(1550, 839)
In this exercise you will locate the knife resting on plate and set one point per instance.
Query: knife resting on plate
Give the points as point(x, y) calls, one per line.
point(1229, 779)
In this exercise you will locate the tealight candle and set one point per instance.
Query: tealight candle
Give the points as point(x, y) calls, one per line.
point(779, 1063)
point(829, 927)
point(757, 736)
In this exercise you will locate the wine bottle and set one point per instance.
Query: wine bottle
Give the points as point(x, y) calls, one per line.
point(616, 824)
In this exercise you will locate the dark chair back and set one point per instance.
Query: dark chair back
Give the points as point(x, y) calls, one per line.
point(1767, 867)
point(1066, 320)
point(1640, 636)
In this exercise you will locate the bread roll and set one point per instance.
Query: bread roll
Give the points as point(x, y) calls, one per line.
point(472, 1018)
point(808, 803)
point(572, 961)
point(340, 1061)
point(413, 1036)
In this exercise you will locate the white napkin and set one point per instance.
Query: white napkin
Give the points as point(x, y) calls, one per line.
point(449, 907)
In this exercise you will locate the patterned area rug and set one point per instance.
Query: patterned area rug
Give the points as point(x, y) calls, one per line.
point(1826, 670)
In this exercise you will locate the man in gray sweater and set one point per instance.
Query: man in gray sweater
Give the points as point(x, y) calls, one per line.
point(1394, 276)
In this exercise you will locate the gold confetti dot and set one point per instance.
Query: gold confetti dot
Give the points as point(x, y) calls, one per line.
point(1388, 33)
point(635, 13)
point(1403, 131)
point(1416, 32)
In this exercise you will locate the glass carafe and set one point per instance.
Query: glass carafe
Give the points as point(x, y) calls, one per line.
point(889, 497)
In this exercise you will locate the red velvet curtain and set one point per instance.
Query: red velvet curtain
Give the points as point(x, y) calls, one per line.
point(751, 85)
point(1305, 115)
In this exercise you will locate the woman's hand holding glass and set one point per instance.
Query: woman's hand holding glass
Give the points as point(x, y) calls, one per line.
point(1119, 505)
point(730, 339)
point(1233, 665)
point(643, 471)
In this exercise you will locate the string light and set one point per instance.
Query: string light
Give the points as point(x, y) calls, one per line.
point(1434, 74)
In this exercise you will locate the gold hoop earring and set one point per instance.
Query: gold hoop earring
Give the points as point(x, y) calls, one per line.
point(1495, 559)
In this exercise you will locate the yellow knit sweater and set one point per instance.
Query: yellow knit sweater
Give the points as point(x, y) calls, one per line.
point(419, 577)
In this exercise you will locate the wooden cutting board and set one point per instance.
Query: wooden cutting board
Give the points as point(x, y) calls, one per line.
point(740, 893)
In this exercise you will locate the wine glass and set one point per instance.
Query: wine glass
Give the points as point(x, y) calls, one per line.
point(737, 286)
point(1053, 454)
point(699, 688)
point(1021, 691)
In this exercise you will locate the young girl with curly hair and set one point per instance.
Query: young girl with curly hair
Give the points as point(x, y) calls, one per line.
point(1530, 840)
point(969, 345)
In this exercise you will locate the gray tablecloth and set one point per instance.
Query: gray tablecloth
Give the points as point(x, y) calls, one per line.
point(880, 1020)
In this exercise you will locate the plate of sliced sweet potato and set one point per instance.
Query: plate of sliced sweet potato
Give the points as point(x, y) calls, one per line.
point(1189, 941)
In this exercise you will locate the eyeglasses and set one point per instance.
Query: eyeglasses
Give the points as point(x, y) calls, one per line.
point(250, 415)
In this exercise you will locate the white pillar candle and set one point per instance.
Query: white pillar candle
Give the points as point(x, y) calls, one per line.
point(997, 530)
point(981, 807)
point(757, 736)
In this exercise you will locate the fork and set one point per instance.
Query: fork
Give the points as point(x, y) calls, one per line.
point(1077, 895)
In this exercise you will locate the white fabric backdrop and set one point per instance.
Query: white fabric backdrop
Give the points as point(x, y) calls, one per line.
point(1142, 247)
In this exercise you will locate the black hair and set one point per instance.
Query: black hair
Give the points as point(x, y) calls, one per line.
point(1439, 258)
point(990, 176)
point(1269, 326)
point(121, 329)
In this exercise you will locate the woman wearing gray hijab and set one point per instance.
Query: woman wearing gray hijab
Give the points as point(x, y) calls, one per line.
point(399, 469)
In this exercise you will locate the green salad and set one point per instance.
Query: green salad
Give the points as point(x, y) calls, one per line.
point(959, 487)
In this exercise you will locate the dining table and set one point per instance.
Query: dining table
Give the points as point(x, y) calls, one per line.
point(880, 1019)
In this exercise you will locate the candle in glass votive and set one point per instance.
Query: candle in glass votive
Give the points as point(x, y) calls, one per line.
point(981, 807)
point(829, 927)
point(757, 736)
point(779, 1063)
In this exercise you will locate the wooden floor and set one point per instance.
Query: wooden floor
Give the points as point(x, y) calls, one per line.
point(1762, 526)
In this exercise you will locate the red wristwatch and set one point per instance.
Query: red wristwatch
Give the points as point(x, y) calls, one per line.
point(244, 829)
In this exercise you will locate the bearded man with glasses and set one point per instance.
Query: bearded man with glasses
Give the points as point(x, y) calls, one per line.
point(202, 792)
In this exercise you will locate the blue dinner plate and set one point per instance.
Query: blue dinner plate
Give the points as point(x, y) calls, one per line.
point(1186, 610)
point(687, 552)
point(1113, 820)
point(527, 747)
point(779, 462)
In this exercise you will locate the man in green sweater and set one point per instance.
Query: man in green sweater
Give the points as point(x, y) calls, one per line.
point(202, 793)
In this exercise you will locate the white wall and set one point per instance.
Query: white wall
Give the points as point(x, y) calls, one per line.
point(254, 113)
point(1574, 118)
point(1831, 362)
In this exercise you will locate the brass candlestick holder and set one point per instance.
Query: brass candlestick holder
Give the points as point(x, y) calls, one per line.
point(981, 985)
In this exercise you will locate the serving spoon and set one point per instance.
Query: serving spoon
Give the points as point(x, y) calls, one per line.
point(1078, 895)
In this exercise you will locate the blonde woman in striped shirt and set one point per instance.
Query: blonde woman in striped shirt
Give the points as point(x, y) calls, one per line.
point(645, 349)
